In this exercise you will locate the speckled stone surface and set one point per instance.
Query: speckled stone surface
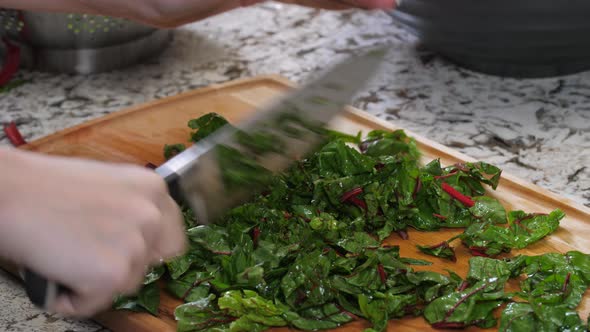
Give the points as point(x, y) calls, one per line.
point(537, 129)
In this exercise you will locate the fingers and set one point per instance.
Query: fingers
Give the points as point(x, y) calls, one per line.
point(344, 4)
point(372, 4)
point(115, 275)
point(161, 219)
point(326, 4)
point(63, 306)
point(150, 228)
point(172, 240)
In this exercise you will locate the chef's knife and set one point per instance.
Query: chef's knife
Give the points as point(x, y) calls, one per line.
point(224, 169)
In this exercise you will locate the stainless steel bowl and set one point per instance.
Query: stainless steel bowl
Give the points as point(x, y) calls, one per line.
point(84, 44)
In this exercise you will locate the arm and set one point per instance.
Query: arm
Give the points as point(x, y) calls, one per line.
point(93, 227)
point(159, 13)
point(172, 13)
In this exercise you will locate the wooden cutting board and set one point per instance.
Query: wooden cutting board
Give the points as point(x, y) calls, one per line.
point(137, 135)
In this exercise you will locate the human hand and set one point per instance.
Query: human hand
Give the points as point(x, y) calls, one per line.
point(92, 227)
point(173, 13)
point(166, 13)
point(344, 4)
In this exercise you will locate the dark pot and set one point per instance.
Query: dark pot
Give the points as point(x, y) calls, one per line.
point(515, 38)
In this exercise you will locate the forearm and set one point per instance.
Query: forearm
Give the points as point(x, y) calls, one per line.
point(73, 6)
point(160, 13)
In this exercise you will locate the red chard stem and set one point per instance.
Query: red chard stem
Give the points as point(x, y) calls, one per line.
point(465, 200)
point(350, 194)
point(382, 273)
point(14, 135)
point(403, 234)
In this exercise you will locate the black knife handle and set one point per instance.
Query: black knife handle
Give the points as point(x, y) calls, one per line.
point(41, 291)
point(173, 183)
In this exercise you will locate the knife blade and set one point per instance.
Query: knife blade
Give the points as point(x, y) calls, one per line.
point(225, 168)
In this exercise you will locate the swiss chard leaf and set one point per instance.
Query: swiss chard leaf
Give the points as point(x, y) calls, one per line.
point(212, 238)
point(396, 143)
point(240, 171)
point(206, 125)
point(306, 284)
point(202, 315)
point(488, 239)
point(524, 317)
point(154, 274)
point(192, 286)
point(252, 309)
point(442, 250)
point(179, 265)
point(172, 150)
point(328, 316)
point(336, 159)
point(146, 300)
point(530, 228)
point(305, 250)
point(472, 306)
point(487, 209)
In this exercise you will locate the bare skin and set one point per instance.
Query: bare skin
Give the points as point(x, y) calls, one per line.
point(173, 13)
point(92, 226)
point(96, 227)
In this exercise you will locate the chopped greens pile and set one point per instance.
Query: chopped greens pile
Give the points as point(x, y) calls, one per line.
point(306, 252)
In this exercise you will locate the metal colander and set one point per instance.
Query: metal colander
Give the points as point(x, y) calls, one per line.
point(10, 22)
point(80, 23)
point(80, 43)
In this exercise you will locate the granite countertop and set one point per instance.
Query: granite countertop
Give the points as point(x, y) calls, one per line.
point(536, 129)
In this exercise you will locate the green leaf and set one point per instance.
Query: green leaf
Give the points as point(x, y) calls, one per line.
point(249, 304)
point(179, 265)
point(524, 317)
point(530, 228)
point(240, 171)
point(306, 284)
point(482, 268)
point(206, 125)
point(154, 274)
point(413, 261)
point(201, 315)
point(487, 209)
point(486, 173)
point(379, 308)
point(212, 238)
point(336, 159)
point(488, 239)
point(552, 280)
point(518, 317)
point(260, 142)
point(580, 262)
point(358, 242)
point(336, 135)
point(442, 250)
point(172, 150)
point(146, 300)
point(472, 306)
point(380, 143)
point(305, 250)
point(192, 286)
point(431, 285)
